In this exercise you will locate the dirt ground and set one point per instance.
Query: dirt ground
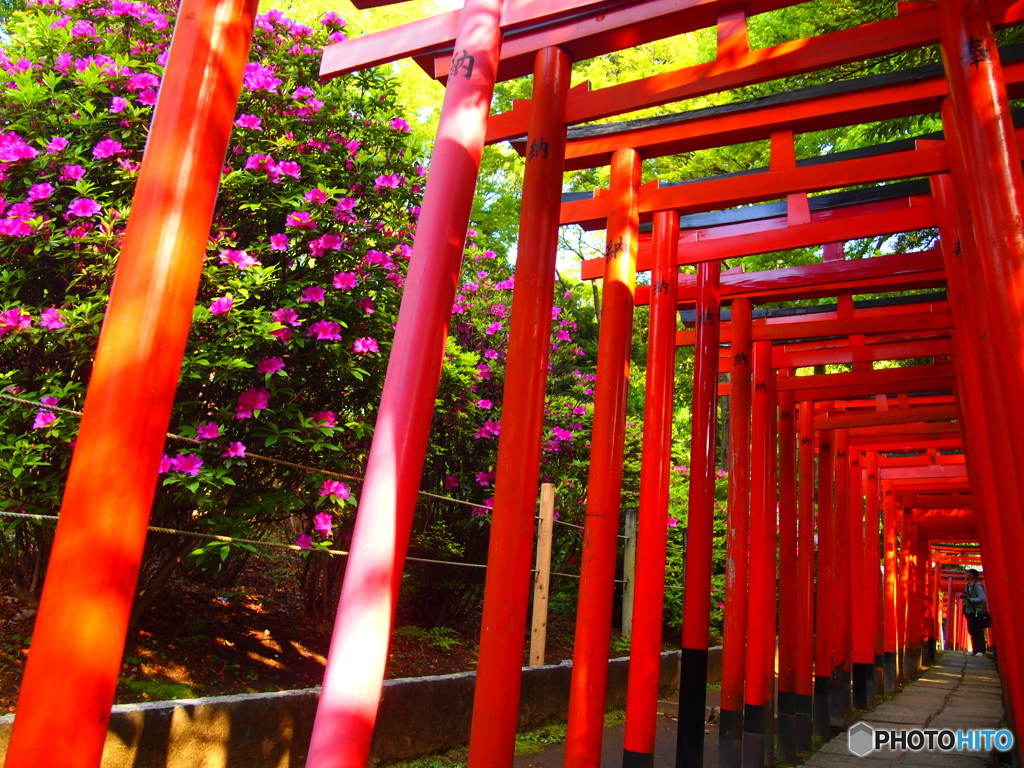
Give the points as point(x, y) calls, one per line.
point(254, 636)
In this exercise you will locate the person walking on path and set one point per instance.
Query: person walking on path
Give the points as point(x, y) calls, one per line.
point(976, 611)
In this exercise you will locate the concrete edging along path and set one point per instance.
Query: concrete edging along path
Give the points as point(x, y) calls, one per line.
point(272, 730)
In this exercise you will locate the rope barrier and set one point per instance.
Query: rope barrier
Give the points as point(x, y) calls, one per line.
point(281, 462)
point(265, 543)
point(248, 454)
point(578, 527)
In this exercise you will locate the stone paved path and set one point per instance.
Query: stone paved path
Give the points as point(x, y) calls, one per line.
point(960, 692)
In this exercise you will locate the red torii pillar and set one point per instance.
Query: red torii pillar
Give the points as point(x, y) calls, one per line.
point(761, 605)
point(861, 596)
point(842, 639)
point(652, 538)
point(773, 562)
point(805, 576)
point(734, 640)
point(995, 188)
point(789, 584)
point(904, 596)
point(823, 630)
point(355, 664)
point(71, 675)
point(506, 591)
point(890, 609)
point(873, 572)
point(693, 677)
point(975, 366)
point(589, 681)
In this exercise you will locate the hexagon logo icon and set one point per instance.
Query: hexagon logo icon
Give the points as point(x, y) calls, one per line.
point(861, 737)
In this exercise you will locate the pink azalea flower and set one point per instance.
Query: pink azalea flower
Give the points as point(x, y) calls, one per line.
point(207, 431)
point(672, 522)
point(85, 207)
point(14, 319)
point(14, 148)
point(579, 410)
point(142, 80)
point(83, 28)
point(118, 105)
point(260, 78)
point(44, 416)
point(221, 305)
point(334, 488)
point(300, 220)
point(491, 354)
point(50, 319)
point(270, 365)
point(253, 399)
point(257, 162)
point(365, 346)
point(165, 464)
point(56, 144)
point(249, 121)
point(108, 148)
point(289, 168)
point(489, 429)
point(285, 317)
point(399, 124)
point(492, 329)
point(345, 281)
point(324, 418)
point(279, 242)
point(323, 523)
point(40, 191)
point(483, 478)
point(71, 173)
point(316, 195)
point(304, 542)
point(331, 19)
point(451, 482)
point(313, 293)
point(388, 181)
point(343, 209)
point(187, 464)
point(327, 330)
point(485, 404)
point(235, 450)
point(240, 259)
point(561, 434)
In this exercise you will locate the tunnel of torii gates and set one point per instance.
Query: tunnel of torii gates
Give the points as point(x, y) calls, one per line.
point(881, 476)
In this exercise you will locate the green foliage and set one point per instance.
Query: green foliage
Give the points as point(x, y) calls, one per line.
point(439, 638)
point(295, 310)
point(157, 690)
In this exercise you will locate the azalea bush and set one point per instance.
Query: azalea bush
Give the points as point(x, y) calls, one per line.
point(305, 262)
point(293, 322)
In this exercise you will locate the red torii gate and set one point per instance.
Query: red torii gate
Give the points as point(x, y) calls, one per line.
point(466, 49)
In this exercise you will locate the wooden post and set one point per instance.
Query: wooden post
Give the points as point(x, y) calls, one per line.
point(629, 572)
point(542, 576)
